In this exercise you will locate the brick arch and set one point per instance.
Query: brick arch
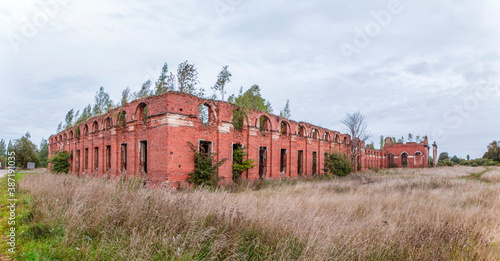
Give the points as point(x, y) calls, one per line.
point(314, 133)
point(264, 123)
point(60, 138)
point(245, 120)
point(108, 123)
point(85, 130)
point(141, 112)
point(285, 128)
point(301, 131)
point(121, 118)
point(71, 135)
point(95, 126)
point(326, 136)
point(336, 138)
point(404, 158)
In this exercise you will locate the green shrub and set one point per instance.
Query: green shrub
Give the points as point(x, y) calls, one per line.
point(474, 165)
point(464, 162)
point(338, 164)
point(490, 163)
point(205, 169)
point(239, 163)
point(60, 163)
point(440, 164)
point(449, 163)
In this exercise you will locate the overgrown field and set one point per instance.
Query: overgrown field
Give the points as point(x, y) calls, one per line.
point(424, 214)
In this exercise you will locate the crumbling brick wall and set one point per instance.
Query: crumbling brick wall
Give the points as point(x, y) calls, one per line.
point(150, 138)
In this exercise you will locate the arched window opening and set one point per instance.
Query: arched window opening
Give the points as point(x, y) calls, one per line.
point(95, 127)
point(326, 136)
point(390, 160)
point(346, 141)
point(107, 123)
point(71, 135)
point(204, 114)
point(122, 119)
point(60, 138)
point(302, 131)
point(418, 153)
point(142, 113)
point(337, 138)
point(65, 137)
point(404, 159)
point(284, 128)
point(238, 119)
point(77, 133)
point(265, 124)
point(314, 134)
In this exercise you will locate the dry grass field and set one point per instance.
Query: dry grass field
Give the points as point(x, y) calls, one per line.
point(448, 213)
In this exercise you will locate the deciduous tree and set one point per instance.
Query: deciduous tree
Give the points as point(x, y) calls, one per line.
point(356, 126)
point(26, 150)
point(223, 78)
point(286, 113)
point(187, 77)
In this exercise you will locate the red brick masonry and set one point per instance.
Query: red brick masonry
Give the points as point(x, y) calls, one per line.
point(149, 137)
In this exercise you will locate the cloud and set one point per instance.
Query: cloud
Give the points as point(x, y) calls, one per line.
point(426, 60)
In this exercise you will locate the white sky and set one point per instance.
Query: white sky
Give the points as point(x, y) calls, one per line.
point(431, 68)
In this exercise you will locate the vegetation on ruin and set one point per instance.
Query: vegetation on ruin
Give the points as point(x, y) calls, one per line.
point(398, 214)
point(338, 164)
point(60, 162)
point(241, 163)
point(205, 168)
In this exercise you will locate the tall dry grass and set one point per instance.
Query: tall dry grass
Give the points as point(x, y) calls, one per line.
point(426, 214)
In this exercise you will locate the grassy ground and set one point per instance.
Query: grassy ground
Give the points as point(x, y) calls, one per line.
point(424, 214)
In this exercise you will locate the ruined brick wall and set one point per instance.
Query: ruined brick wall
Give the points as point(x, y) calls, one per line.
point(150, 138)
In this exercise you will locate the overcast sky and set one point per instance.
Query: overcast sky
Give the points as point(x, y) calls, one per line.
point(421, 67)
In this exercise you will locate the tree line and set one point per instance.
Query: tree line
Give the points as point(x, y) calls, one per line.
point(25, 151)
point(490, 158)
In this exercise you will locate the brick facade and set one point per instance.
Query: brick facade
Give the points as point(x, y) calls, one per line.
point(150, 137)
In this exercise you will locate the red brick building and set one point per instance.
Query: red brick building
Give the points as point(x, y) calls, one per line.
point(150, 137)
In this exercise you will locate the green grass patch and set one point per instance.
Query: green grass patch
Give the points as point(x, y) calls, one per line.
point(477, 176)
point(6, 222)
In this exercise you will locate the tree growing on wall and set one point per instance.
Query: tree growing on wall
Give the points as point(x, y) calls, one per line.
point(382, 142)
point(223, 78)
point(410, 137)
point(125, 96)
point(251, 99)
point(145, 90)
point(371, 146)
point(86, 114)
point(60, 127)
point(103, 102)
point(356, 126)
point(160, 85)
point(69, 118)
point(187, 78)
point(286, 113)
